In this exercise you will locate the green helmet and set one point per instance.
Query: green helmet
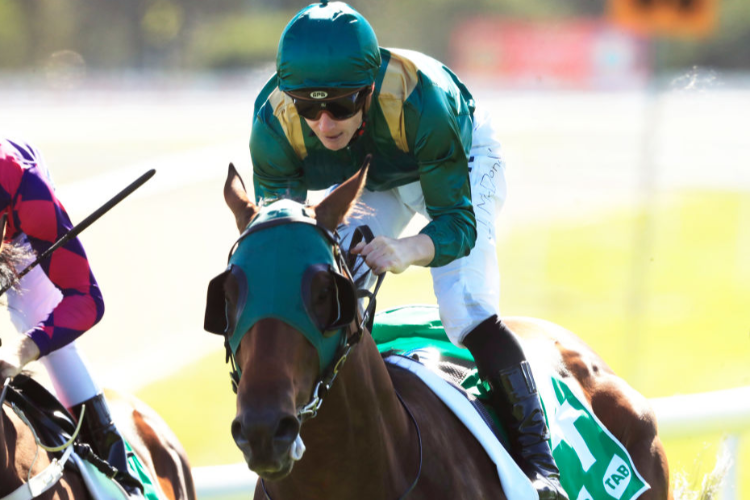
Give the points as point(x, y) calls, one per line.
point(327, 45)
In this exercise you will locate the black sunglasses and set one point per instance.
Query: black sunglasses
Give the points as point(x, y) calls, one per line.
point(340, 104)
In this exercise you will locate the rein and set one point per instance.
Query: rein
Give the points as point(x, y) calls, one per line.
point(310, 410)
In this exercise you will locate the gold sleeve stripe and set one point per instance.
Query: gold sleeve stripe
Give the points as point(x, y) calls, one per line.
point(286, 113)
point(398, 83)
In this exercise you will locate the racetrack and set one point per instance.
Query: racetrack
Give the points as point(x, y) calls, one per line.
point(570, 156)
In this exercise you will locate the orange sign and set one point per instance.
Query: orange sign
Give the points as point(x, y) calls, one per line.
point(666, 17)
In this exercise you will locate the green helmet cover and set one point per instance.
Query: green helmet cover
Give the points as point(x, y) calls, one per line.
point(327, 45)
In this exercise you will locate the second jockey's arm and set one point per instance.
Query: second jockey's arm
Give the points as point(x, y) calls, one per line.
point(385, 254)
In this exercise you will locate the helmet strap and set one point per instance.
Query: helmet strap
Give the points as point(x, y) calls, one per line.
point(360, 131)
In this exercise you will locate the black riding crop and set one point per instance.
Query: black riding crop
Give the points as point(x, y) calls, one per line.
point(76, 230)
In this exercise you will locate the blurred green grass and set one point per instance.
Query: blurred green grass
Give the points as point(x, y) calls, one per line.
point(662, 294)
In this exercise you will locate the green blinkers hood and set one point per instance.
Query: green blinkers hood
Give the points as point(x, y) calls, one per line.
point(274, 262)
point(327, 45)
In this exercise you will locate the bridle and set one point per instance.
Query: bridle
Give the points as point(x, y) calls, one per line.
point(354, 330)
point(323, 386)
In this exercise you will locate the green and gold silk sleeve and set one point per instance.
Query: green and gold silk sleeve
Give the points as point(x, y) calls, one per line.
point(444, 174)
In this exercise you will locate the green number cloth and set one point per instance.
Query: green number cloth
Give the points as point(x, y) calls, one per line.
point(593, 464)
point(135, 465)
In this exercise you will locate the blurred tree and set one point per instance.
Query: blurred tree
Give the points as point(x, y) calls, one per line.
point(232, 41)
point(236, 34)
point(14, 46)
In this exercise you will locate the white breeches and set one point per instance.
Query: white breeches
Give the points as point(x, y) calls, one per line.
point(66, 366)
point(467, 289)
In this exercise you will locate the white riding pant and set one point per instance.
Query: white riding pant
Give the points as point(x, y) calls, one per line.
point(67, 367)
point(468, 288)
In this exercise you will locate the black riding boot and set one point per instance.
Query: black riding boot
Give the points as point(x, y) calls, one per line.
point(501, 362)
point(99, 432)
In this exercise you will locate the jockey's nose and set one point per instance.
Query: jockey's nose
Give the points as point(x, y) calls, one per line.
point(265, 437)
point(326, 123)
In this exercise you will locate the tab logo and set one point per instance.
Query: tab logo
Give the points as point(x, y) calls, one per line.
point(617, 477)
point(319, 94)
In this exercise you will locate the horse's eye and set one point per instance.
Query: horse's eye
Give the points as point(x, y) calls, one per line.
point(321, 302)
point(323, 294)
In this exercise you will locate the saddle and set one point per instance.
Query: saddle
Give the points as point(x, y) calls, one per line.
point(51, 421)
point(459, 373)
point(55, 428)
point(593, 464)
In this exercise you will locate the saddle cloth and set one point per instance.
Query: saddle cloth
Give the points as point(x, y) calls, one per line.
point(593, 464)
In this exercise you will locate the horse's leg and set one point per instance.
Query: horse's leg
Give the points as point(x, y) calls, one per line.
point(628, 416)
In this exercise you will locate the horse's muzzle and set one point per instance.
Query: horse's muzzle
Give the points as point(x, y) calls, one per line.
point(266, 440)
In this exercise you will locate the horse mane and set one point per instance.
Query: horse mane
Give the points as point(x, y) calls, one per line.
point(360, 210)
point(12, 258)
point(263, 202)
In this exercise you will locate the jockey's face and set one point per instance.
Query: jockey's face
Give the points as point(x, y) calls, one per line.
point(335, 134)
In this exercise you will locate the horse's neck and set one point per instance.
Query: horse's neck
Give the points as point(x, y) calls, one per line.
point(363, 400)
point(4, 444)
point(9, 479)
point(362, 429)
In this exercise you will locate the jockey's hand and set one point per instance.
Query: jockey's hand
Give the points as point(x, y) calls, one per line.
point(15, 355)
point(384, 254)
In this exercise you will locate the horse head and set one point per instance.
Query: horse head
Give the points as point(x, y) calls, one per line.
point(285, 305)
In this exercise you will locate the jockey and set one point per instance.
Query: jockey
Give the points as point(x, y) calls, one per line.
point(336, 97)
point(55, 302)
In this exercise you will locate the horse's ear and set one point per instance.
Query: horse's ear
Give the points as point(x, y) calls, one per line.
point(333, 210)
point(237, 200)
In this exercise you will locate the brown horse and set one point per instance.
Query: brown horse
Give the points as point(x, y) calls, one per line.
point(149, 436)
point(381, 434)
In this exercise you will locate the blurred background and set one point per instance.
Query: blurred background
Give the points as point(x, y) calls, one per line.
point(626, 136)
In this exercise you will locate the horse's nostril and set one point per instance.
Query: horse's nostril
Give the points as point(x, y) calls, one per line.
point(287, 429)
point(286, 432)
point(237, 430)
point(259, 433)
